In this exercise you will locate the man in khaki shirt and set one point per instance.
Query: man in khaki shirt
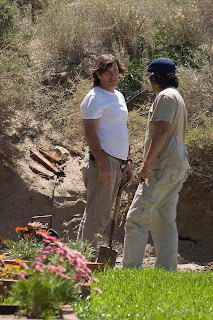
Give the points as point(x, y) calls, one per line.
point(162, 173)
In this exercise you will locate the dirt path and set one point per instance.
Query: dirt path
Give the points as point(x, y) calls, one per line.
point(192, 256)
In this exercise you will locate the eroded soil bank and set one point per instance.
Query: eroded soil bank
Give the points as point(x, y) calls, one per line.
point(24, 194)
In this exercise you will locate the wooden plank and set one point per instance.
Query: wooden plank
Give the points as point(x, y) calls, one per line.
point(43, 172)
point(50, 156)
point(45, 162)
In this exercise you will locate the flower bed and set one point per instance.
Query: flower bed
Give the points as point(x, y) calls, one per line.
point(57, 274)
point(66, 312)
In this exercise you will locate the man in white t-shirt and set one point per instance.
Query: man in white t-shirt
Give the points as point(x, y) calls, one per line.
point(105, 118)
point(161, 175)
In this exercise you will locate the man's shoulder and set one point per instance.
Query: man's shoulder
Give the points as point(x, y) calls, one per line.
point(93, 94)
point(169, 92)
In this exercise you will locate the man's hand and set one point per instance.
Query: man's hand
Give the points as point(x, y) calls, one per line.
point(104, 170)
point(144, 172)
point(128, 170)
point(158, 139)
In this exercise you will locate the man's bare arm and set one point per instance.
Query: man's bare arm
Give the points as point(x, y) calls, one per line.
point(91, 127)
point(157, 143)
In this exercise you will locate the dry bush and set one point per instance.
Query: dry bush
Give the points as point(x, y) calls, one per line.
point(71, 30)
point(65, 113)
point(64, 31)
point(196, 88)
point(179, 24)
point(199, 142)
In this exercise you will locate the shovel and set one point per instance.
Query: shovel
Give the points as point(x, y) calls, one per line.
point(107, 254)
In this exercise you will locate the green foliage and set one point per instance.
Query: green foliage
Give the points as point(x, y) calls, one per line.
point(149, 294)
point(6, 19)
point(82, 246)
point(132, 80)
point(177, 30)
point(24, 248)
point(40, 296)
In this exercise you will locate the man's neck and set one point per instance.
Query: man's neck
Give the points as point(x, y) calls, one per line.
point(110, 89)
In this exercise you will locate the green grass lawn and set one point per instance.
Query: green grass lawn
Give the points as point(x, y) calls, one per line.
point(149, 294)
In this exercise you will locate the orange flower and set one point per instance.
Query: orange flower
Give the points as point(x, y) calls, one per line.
point(45, 231)
point(35, 224)
point(16, 267)
point(19, 229)
point(17, 260)
point(28, 236)
point(8, 266)
point(2, 256)
point(3, 272)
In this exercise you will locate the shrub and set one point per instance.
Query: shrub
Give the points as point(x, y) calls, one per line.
point(199, 142)
point(6, 20)
point(65, 31)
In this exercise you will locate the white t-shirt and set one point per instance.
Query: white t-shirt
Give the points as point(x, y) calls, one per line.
point(111, 109)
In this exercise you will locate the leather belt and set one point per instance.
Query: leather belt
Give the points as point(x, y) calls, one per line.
point(93, 158)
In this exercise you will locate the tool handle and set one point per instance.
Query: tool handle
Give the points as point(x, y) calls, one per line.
point(49, 216)
point(116, 210)
point(112, 230)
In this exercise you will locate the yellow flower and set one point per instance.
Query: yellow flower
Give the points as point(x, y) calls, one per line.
point(2, 256)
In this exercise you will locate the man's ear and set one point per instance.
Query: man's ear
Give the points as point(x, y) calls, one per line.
point(152, 78)
point(99, 75)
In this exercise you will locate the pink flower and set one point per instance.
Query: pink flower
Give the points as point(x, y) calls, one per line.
point(38, 266)
point(77, 277)
point(98, 290)
point(55, 268)
point(48, 249)
point(95, 279)
point(62, 275)
point(46, 241)
point(23, 265)
point(43, 234)
point(22, 274)
point(41, 257)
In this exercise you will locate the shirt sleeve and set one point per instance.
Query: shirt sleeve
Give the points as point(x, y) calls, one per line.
point(91, 108)
point(164, 109)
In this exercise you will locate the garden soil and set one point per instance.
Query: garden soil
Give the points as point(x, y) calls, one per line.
point(24, 194)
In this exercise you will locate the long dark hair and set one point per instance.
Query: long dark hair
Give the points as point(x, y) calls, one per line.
point(104, 63)
point(165, 80)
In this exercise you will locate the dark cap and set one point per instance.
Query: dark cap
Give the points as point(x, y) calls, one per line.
point(163, 65)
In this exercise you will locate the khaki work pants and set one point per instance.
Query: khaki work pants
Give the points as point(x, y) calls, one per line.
point(154, 208)
point(100, 199)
